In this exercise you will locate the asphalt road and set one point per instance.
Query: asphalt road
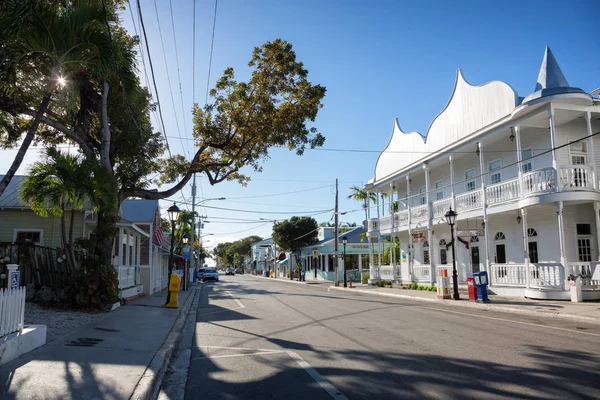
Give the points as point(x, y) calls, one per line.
point(264, 339)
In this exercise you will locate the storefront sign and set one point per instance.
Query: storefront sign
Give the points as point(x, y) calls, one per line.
point(469, 233)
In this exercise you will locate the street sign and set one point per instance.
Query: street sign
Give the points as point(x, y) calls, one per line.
point(14, 279)
point(471, 232)
point(186, 252)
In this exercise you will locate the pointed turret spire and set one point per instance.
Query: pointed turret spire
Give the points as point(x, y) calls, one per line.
point(550, 75)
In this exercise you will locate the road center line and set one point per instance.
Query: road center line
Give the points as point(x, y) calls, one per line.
point(239, 303)
point(324, 383)
point(513, 321)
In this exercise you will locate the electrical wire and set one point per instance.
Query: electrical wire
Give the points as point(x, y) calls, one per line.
point(317, 212)
point(212, 43)
point(279, 194)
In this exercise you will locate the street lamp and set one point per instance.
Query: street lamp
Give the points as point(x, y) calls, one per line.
point(185, 239)
point(173, 213)
point(451, 220)
point(344, 242)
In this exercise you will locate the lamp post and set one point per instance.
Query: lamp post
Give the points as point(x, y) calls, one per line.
point(344, 242)
point(185, 239)
point(451, 220)
point(173, 213)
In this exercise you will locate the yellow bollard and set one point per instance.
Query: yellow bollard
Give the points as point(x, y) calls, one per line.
point(174, 290)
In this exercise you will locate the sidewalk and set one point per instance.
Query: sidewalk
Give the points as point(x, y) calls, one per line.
point(585, 312)
point(104, 359)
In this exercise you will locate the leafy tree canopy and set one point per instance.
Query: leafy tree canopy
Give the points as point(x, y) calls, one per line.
point(295, 233)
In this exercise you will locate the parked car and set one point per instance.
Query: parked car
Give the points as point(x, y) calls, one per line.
point(229, 271)
point(210, 274)
point(200, 273)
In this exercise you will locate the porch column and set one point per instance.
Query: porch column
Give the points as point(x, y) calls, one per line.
point(526, 249)
point(592, 157)
point(393, 230)
point(410, 243)
point(360, 263)
point(483, 174)
point(137, 261)
point(451, 163)
point(519, 161)
point(120, 249)
point(561, 238)
point(429, 214)
point(597, 215)
point(379, 254)
point(553, 144)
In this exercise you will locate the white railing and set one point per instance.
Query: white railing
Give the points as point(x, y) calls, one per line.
point(126, 276)
point(401, 218)
point(468, 201)
point(539, 182)
point(503, 192)
point(387, 272)
point(12, 310)
point(418, 214)
point(385, 222)
point(441, 207)
point(422, 272)
point(586, 271)
point(546, 276)
point(373, 225)
point(575, 177)
point(508, 274)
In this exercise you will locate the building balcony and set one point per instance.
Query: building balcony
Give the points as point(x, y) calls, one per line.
point(544, 181)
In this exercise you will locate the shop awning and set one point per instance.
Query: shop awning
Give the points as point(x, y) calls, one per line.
point(283, 261)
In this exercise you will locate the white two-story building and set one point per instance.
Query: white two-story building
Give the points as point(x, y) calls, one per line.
point(522, 174)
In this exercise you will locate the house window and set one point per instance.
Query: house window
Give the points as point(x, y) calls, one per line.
point(470, 180)
point(500, 248)
point(584, 245)
point(443, 252)
point(439, 190)
point(29, 235)
point(422, 198)
point(578, 152)
point(426, 252)
point(527, 160)
point(495, 173)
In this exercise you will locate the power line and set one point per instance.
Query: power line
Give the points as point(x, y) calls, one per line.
point(317, 212)
point(279, 194)
point(212, 42)
point(169, 79)
point(153, 77)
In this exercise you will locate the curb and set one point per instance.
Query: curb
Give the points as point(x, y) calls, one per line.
point(149, 384)
point(494, 307)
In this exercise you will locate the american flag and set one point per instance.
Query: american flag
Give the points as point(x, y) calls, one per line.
point(159, 237)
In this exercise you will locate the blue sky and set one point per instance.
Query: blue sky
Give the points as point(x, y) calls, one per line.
point(378, 59)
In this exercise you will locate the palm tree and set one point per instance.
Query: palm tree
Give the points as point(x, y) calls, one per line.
point(363, 196)
point(44, 44)
point(64, 182)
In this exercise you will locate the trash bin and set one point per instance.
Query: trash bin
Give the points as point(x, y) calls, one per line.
point(481, 283)
point(443, 283)
point(472, 288)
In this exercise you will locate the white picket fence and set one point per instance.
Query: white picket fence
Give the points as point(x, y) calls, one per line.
point(12, 310)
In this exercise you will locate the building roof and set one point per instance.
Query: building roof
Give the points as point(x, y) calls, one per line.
point(353, 236)
point(139, 210)
point(10, 197)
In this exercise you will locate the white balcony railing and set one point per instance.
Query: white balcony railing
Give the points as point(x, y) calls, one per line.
point(387, 272)
point(422, 272)
point(586, 271)
point(12, 310)
point(373, 225)
point(503, 192)
point(539, 182)
point(385, 222)
point(576, 177)
point(401, 218)
point(508, 274)
point(468, 201)
point(545, 276)
point(441, 207)
point(419, 214)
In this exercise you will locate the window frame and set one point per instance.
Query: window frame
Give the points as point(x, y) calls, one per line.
point(469, 180)
point(439, 190)
point(496, 171)
point(16, 231)
point(527, 161)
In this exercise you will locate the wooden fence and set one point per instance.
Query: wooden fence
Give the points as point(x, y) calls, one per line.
point(38, 265)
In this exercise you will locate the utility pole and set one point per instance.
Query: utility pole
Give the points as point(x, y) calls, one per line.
point(193, 235)
point(335, 235)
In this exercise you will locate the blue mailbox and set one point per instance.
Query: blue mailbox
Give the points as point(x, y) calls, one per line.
point(481, 283)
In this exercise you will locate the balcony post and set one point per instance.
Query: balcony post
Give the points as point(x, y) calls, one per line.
point(429, 214)
point(526, 249)
point(561, 238)
point(597, 215)
point(553, 144)
point(451, 163)
point(520, 161)
point(484, 205)
point(410, 242)
point(590, 144)
point(393, 231)
point(379, 254)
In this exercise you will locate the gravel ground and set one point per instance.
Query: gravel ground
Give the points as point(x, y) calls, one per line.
point(59, 322)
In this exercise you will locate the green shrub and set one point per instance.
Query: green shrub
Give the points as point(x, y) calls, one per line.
point(365, 279)
point(95, 287)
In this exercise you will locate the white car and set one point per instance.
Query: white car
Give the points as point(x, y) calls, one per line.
point(210, 274)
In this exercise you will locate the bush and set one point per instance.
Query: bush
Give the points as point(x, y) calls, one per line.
point(383, 283)
point(365, 279)
point(95, 287)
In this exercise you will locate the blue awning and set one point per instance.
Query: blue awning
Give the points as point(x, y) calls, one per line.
point(283, 261)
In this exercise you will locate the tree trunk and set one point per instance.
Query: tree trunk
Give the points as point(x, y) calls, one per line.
point(71, 244)
point(105, 147)
point(28, 138)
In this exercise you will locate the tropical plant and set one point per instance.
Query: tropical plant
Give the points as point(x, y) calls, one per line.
point(65, 181)
point(294, 234)
point(363, 196)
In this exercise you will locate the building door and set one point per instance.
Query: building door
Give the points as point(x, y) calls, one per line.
point(584, 242)
point(474, 258)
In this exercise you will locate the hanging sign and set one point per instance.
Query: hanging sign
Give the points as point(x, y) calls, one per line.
point(471, 232)
point(418, 237)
